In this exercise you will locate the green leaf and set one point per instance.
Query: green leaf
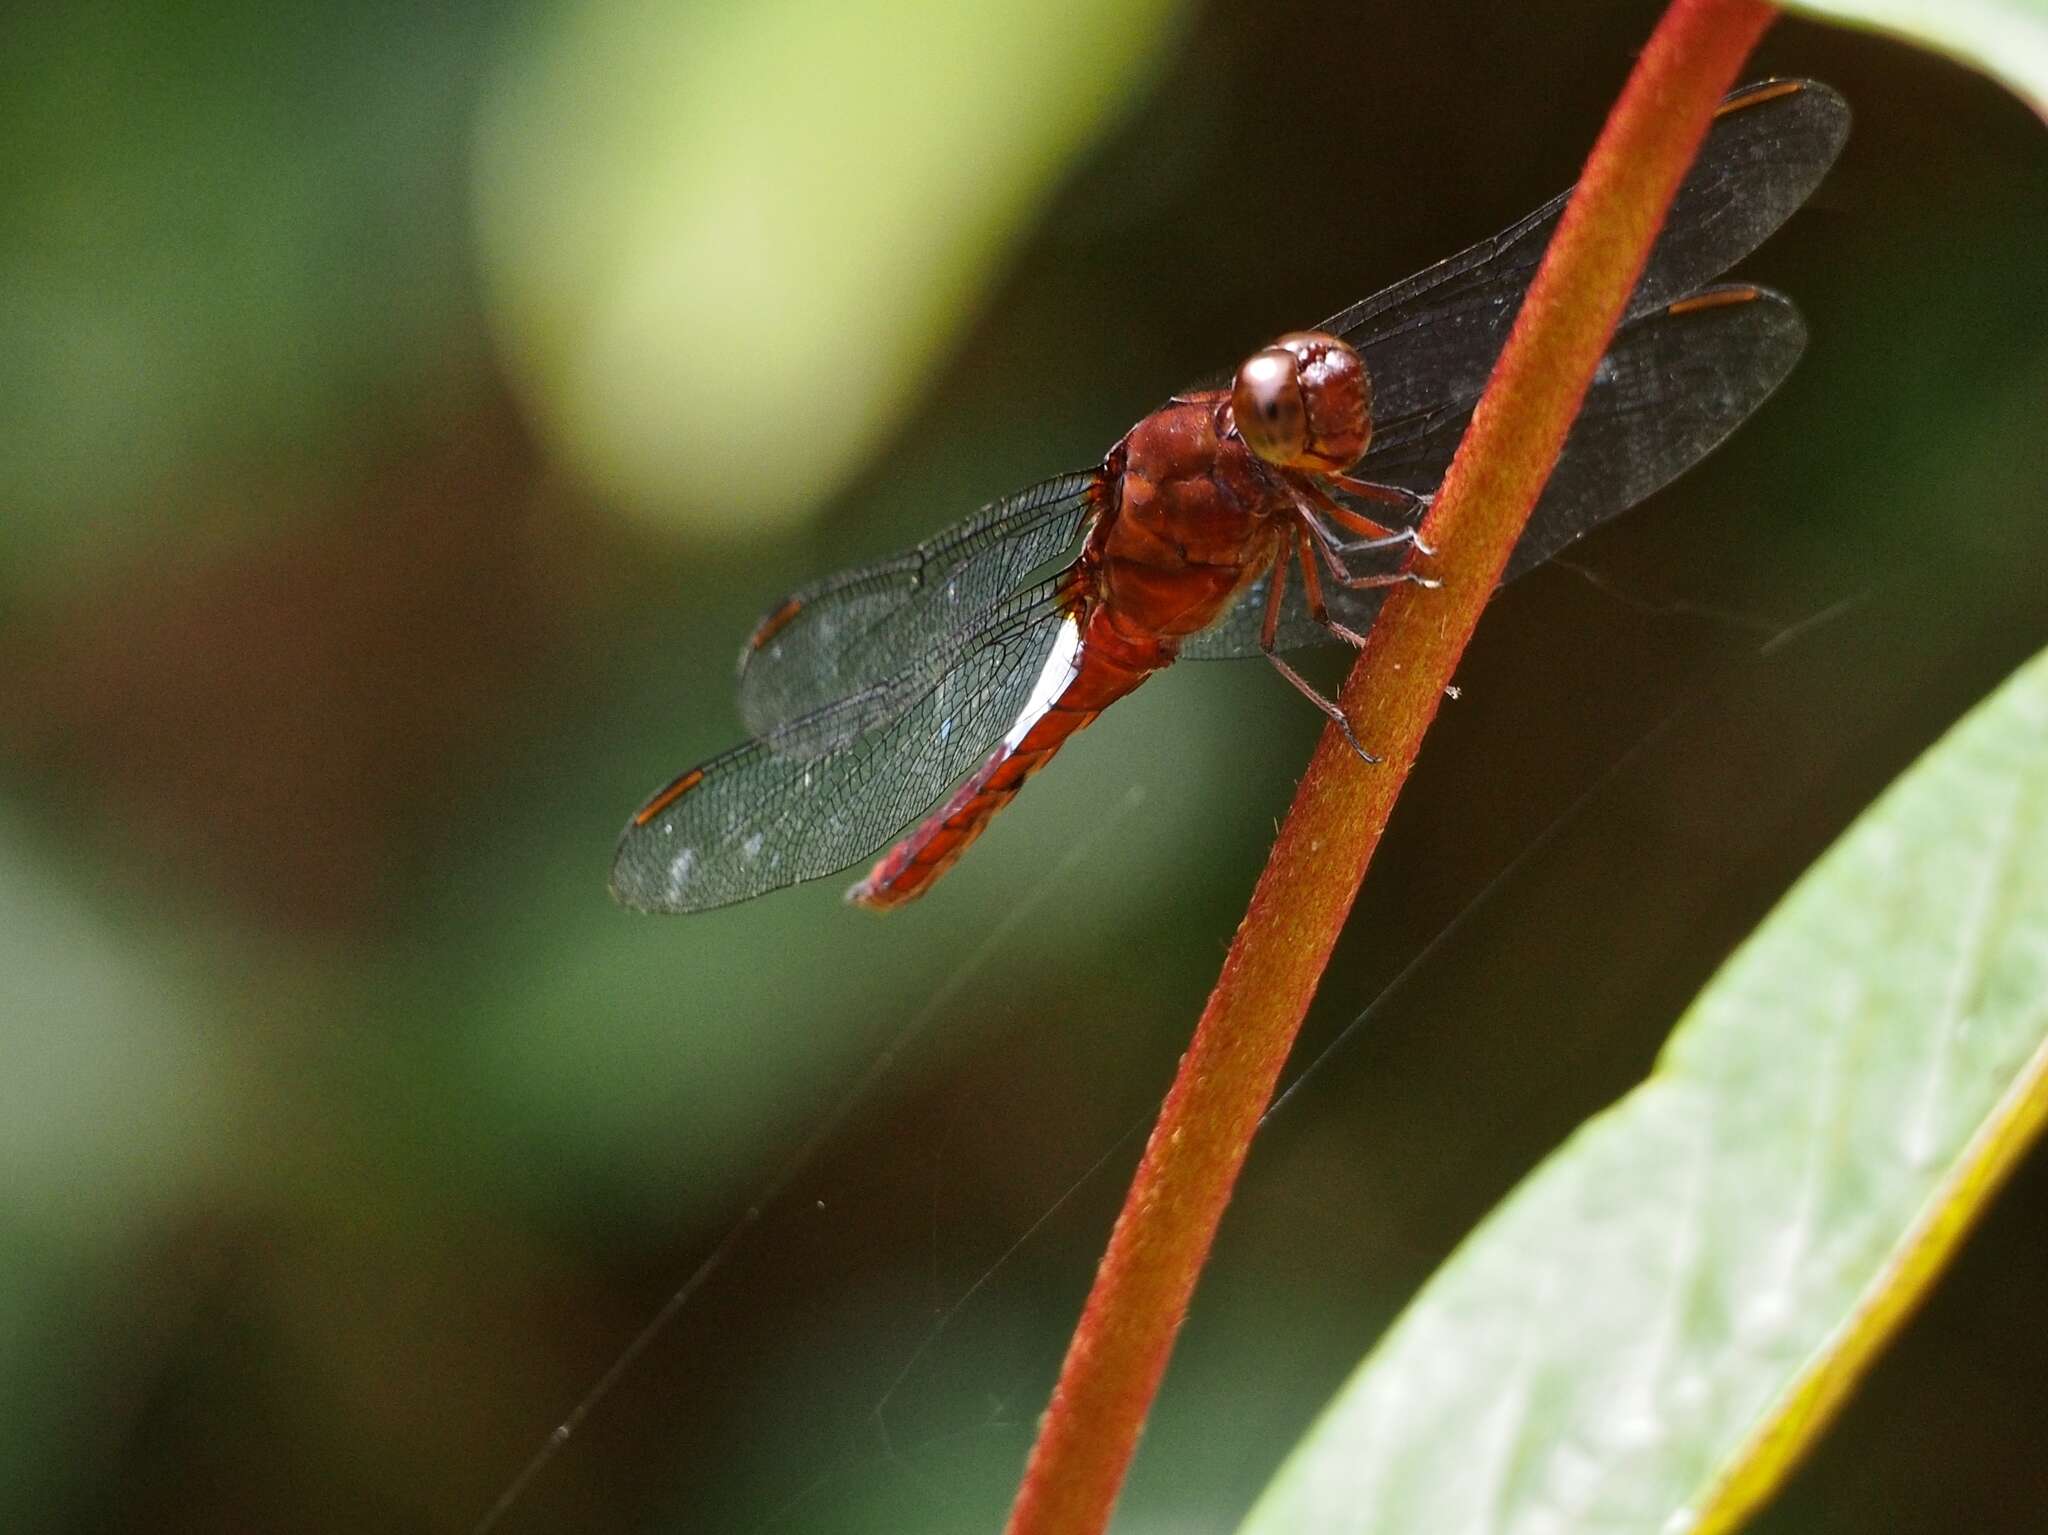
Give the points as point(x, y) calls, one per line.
point(704, 228)
point(2007, 39)
point(1647, 1333)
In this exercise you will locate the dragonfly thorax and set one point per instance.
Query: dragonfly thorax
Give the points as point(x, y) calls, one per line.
point(1305, 402)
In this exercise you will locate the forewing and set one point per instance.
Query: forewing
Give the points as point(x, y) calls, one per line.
point(1430, 344)
point(848, 634)
point(1672, 388)
point(1432, 340)
point(835, 786)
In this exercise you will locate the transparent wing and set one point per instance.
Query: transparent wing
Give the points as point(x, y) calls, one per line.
point(1672, 388)
point(1430, 342)
point(851, 632)
point(836, 785)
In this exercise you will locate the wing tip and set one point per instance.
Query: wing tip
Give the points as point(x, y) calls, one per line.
point(627, 882)
point(640, 880)
point(1779, 334)
point(773, 623)
point(623, 895)
point(1818, 101)
point(1738, 296)
point(665, 798)
point(639, 884)
point(1720, 296)
point(1818, 93)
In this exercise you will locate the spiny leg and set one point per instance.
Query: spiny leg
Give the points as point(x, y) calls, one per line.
point(1312, 589)
point(1269, 632)
point(1276, 596)
point(1391, 495)
point(1377, 535)
point(1326, 545)
point(1309, 502)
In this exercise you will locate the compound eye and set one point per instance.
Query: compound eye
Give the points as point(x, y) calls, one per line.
point(1267, 406)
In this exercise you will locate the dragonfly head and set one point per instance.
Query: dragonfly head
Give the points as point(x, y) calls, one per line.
point(1304, 402)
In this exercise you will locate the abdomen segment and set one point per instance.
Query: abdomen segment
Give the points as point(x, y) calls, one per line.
point(1080, 680)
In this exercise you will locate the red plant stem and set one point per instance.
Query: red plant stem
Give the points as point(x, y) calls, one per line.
point(1169, 1219)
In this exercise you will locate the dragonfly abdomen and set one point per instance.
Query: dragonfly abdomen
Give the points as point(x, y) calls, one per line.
point(1091, 667)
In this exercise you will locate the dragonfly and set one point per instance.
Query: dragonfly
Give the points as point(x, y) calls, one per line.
point(1264, 514)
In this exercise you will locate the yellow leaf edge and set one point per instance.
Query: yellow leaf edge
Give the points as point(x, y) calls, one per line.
point(1795, 1421)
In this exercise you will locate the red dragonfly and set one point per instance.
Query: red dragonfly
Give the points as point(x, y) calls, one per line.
point(1250, 519)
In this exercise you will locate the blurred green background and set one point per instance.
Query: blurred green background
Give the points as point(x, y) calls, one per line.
point(405, 410)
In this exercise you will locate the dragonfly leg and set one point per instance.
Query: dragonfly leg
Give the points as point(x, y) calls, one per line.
point(1377, 533)
point(1312, 589)
point(1276, 594)
point(1392, 495)
point(1270, 629)
point(1326, 545)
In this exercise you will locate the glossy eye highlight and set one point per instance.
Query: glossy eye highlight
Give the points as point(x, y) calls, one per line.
point(1304, 403)
point(1266, 402)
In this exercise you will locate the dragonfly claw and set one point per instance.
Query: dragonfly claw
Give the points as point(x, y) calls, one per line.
point(1351, 740)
